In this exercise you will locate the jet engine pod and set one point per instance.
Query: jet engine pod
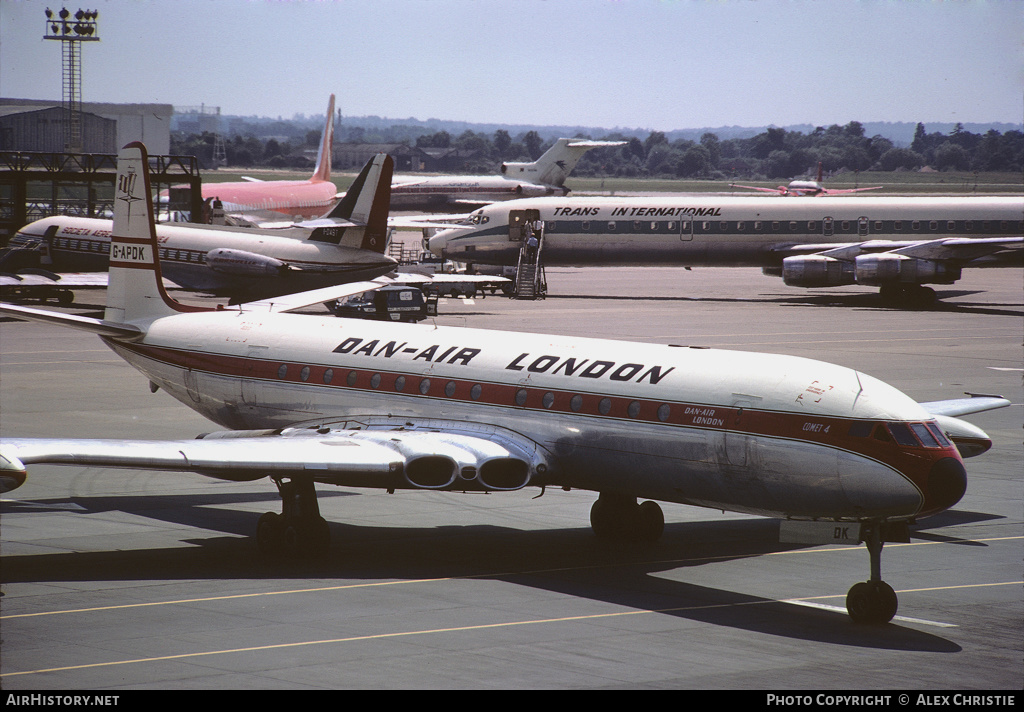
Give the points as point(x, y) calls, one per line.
point(892, 268)
point(240, 262)
point(816, 271)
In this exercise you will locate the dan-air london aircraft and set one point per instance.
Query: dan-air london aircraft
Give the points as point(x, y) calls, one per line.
point(545, 176)
point(898, 244)
point(385, 405)
point(232, 261)
point(253, 201)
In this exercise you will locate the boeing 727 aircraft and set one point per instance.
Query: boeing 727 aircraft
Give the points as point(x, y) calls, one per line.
point(255, 201)
point(382, 405)
point(896, 244)
point(545, 176)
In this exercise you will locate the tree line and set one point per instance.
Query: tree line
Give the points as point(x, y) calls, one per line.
point(773, 154)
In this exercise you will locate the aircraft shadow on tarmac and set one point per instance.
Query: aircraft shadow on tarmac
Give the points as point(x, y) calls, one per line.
point(859, 300)
point(570, 561)
point(840, 300)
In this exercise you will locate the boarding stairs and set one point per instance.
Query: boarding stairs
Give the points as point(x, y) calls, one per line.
point(530, 281)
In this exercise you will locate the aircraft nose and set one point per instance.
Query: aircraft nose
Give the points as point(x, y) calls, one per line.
point(438, 242)
point(947, 483)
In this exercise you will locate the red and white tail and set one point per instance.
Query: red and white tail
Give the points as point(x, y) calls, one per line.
point(322, 171)
point(135, 291)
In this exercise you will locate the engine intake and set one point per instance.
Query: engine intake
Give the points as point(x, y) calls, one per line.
point(817, 271)
point(892, 268)
point(240, 262)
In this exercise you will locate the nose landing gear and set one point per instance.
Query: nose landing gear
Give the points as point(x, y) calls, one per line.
point(874, 601)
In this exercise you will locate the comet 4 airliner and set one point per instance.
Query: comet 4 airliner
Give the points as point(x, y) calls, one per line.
point(307, 399)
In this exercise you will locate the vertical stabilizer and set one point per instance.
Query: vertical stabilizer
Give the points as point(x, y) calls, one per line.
point(135, 291)
point(322, 172)
point(556, 164)
point(366, 203)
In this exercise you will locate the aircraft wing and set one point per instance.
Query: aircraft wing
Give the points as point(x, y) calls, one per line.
point(67, 280)
point(969, 439)
point(962, 249)
point(777, 191)
point(354, 455)
point(443, 278)
point(441, 222)
point(299, 300)
point(975, 403)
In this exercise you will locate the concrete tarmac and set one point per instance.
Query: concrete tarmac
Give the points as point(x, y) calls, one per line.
point(120, 580)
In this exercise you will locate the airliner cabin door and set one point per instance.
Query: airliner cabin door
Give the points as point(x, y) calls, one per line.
point(520, 224)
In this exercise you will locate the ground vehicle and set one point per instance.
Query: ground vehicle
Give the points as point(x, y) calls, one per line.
point(387, 304)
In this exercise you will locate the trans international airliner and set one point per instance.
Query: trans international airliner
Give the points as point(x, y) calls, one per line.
point(895, 243)
point(829, 450)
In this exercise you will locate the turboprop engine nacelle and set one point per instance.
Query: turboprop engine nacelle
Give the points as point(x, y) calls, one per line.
point(892, 268)
point(817, 271)
point(240, 262)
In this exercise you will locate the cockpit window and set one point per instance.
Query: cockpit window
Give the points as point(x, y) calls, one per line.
point(902, 435)
point(924, 435)
point(939, 435)
point(860, 429)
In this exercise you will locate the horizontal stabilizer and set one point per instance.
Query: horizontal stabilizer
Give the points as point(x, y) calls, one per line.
point(83, 323)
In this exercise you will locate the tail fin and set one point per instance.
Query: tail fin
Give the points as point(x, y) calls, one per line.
point(135, 291)
point(322, 172)
point(366, 204)
point(557, 162)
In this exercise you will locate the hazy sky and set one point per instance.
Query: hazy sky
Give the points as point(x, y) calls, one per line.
point(647, 64)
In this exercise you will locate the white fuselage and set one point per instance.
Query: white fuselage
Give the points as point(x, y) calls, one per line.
point(747, 432)
point(83, 244)
point(410, 192)
point(699, 230)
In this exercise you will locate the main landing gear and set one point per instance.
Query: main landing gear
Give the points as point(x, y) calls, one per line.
point(872, 601)
point(617, 516)
point(908, 295)
point(299, 530)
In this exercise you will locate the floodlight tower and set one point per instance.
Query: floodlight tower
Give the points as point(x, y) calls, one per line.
point(71, 31)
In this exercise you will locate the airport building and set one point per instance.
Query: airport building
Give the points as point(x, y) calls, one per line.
point(38, 125)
